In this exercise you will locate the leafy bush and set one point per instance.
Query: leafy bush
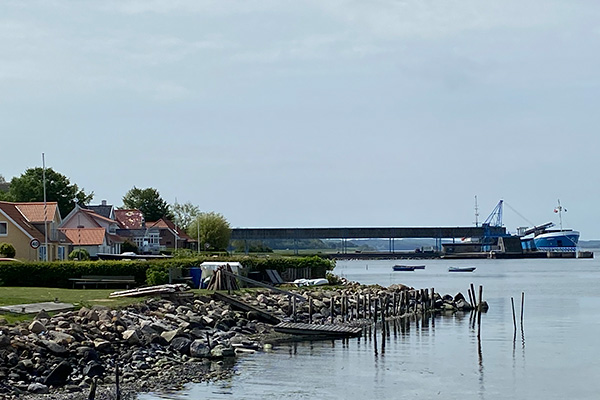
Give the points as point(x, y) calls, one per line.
point(156, 275)
point(79, 254)
point(333, 279)
point(129, 246)
point(7, 250)
point(58, 273)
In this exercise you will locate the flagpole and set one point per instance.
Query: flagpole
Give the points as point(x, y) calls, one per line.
point(45, 209)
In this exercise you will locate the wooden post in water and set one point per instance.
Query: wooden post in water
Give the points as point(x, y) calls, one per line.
point(310, 309)
point(394, 304)
point(375, 311)
point(474, 297)
point(381, 304)
point(369, 309)
point(117, 388)
point(522, 303)
point(471, 300)
point(432, 305)
point(415, 307)
point(332, 308)
point(480, 297)
point(512, 301)
point(294, 308)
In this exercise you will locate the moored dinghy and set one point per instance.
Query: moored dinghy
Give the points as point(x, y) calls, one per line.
point(461, 269)
point(403, 268)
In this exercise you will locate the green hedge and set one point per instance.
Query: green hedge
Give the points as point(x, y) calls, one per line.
point(57, 274)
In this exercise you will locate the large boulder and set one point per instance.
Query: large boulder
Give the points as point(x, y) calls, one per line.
point(59, 375)
point(181, 345)
point(199, 349)
point(36, 327)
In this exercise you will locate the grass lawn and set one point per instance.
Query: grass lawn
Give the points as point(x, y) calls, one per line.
point(78, 297)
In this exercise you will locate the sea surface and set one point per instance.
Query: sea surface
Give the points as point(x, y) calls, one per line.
point(553, 354)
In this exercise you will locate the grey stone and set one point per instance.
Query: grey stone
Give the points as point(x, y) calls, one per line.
point(93, 368)
point(131, 336)
point(199, 349)
point(38, 388)
point(181, 345)
point(55, 348)
point(220, 351)
point(36, 327)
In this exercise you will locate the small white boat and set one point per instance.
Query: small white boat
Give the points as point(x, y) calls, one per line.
point(461, 269)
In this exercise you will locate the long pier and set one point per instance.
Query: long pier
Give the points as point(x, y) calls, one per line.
point(348, 233)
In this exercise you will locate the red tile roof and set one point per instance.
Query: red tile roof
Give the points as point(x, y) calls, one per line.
point(164, 223)
point(129, 219)
point(34, 212)
point(85, 236)
point(13, 213)
point(97, 216)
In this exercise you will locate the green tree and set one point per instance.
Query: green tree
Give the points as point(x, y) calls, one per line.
point(30, 187)
point(184, 214)
point(214, 231)
point(4, 187)
point(149, 202)
point(79, 254)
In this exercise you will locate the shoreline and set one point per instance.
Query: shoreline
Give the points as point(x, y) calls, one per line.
point(162, 345)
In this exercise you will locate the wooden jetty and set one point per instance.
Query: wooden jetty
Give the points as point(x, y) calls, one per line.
point(296, 328)
point(240, 305)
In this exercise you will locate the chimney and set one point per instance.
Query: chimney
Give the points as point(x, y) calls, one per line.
point(103, 202)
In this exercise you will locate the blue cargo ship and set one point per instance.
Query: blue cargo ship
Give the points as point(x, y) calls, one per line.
point(554, 240)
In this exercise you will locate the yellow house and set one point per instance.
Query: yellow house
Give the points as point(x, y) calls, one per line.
point(23, 226)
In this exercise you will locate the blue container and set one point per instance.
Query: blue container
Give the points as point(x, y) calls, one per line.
point(196, 274)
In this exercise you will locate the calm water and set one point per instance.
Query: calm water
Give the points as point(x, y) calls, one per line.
point(556, 357)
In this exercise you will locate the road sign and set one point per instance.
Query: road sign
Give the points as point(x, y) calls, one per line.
point(34, 243)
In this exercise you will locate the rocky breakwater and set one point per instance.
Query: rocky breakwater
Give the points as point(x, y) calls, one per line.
point(162, 344)
point(157, 345)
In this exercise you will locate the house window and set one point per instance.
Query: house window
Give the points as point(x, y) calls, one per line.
point(42, 253)
point(3, 228)
point(61, 252)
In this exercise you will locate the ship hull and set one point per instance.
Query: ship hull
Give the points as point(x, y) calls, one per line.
point(559, 241)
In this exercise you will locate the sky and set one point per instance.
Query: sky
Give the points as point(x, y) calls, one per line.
point(312, 113)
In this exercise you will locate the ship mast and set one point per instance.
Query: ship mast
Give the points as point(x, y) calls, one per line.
point(559, 209)
point(476, 213)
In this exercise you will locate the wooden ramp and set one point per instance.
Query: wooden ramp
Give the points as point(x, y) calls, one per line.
point(296, 328)
point(240, 305)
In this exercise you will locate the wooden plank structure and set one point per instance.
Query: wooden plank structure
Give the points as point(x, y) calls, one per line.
point(264, 285)
point(240, 305)
point(296, 328)
point(152, 290)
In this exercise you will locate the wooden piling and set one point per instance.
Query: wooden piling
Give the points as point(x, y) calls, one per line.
point(332, 308)
point(480, 297)
point(92, 394)
point(310, 309)
point(370, 304)
point(117, 387)
point(432, 305)
point(375, 311)
point(294, 308)
point(471, 299)
point(512, 301)
point(382, 307)
point(522, 304)
point(474, 297)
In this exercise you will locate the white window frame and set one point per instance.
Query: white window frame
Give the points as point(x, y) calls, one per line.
point(42, 253)
point(6, 229)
